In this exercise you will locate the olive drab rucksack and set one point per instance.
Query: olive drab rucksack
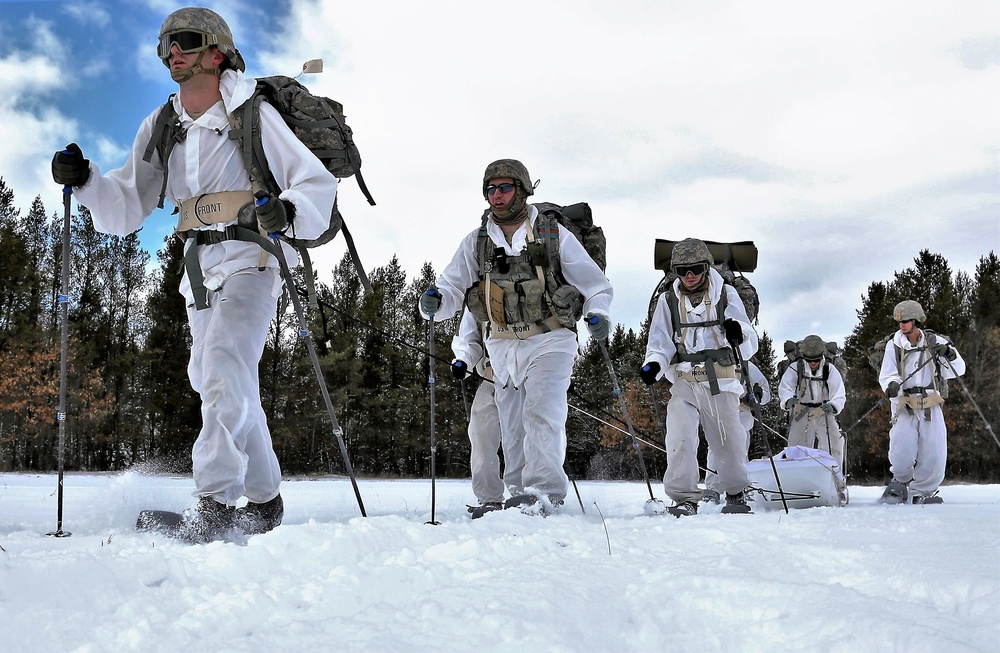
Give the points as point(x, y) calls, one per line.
point(731, 261)
point(832, 355)
point(318, 122)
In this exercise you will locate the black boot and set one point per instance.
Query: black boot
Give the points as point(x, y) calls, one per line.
point(208, 521)
point(489, 506)
point(257, 518)
point(736, 504)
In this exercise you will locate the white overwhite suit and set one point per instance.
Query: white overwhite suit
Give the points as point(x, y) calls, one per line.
point(918, 438)
point(757, 379)
point(484, 417)
point(809, 426)
point(691, 402)
point(531, 375)
point(233, 455)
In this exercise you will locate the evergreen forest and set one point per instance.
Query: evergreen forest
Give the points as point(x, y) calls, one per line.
point(130, 406)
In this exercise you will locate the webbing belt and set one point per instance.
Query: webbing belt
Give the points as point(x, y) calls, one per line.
point(193, 266)
point(716, 359)
point(211, 208)
point(522, 331)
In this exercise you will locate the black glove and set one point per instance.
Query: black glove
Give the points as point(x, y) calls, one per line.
point(942, 349)
point(459, 369)
point(734, 332)
point(892, 390)
point(829, 408)
point(598, 326)
point(274, 215)
point(791, 403)
point(430, 301)
point(649, 372)
point(69, 168)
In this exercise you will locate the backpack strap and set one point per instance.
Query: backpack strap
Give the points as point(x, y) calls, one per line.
point(167, 132)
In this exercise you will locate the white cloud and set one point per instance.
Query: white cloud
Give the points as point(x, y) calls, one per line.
point(842, 137)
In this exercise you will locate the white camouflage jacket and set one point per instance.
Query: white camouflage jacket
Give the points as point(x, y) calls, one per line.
point(510, 357)
point(207, 161)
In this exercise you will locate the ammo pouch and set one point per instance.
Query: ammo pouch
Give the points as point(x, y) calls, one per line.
point(477, 301)
point(567, 305)
point(716, 364)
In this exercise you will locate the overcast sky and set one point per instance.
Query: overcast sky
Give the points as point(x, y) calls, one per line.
point(841, 137)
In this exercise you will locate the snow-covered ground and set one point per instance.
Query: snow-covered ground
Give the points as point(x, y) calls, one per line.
point(866, 577)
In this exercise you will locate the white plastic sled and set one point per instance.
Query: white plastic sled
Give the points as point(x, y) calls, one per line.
point(809, 478)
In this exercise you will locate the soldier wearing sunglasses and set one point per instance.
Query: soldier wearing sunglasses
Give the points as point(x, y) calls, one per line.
point(233, 456)
point(694, 325)
point(529, 312)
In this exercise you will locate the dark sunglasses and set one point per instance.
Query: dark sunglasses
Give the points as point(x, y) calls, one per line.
point(813, 360)
point(187, 42)
point(503, 188)
point(684, 270)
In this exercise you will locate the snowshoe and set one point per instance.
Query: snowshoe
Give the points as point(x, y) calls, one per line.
point(895, 492)
point(208, 521)
point(684, 509)
point(489, 506)
point(736, 504)
point(932, 499)
point(256, 518)
point(711, 496)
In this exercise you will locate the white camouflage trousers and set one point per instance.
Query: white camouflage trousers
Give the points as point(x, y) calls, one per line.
point(233, 455)
point(918, 449)
point(820, 432)
point(711, 478)
point(691, 404)
point(484, 436)
point(533, 422)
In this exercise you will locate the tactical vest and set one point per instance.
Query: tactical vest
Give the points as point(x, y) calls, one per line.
point(524, 295)
point(716, 361)
point(938, 382)
point(805, 379)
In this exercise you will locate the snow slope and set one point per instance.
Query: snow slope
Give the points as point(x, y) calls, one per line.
point(866, 577)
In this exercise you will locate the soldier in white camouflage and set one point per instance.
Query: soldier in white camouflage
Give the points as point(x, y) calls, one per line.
point(233, 456)
point(531, 316)
point(694, 325)
point(915, 370)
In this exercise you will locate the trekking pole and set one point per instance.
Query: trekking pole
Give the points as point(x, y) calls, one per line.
point(430, 381)
point(304, 333)
point(758, 416)
point(656, 410)
point(63, 360)
point(653, 506)
point(971, 400)
point(883, 398)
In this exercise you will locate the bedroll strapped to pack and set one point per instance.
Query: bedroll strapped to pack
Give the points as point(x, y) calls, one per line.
point(318, 122)
point(731, 261)
point(832, 355)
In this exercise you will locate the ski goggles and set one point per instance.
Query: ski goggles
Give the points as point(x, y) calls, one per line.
point(696, 269)
point(503, 188)
point(188, 42)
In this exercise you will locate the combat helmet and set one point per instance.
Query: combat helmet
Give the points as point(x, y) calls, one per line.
point(812, 348)
point(509, 168)
point(690, 251)
point(908, 310)
point(194, 22)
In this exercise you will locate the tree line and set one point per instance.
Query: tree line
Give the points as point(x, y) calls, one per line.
point(130, 405)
